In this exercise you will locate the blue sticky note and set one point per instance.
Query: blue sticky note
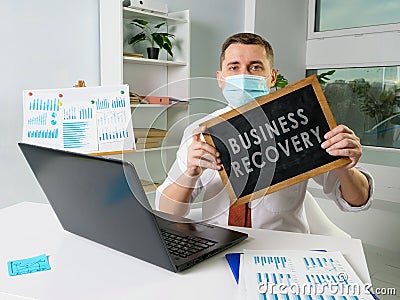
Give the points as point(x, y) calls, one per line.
point(28, 265)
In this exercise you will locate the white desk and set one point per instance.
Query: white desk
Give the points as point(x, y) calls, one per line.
point(82, 269)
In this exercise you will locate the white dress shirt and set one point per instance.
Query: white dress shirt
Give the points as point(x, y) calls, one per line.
point(282, 210)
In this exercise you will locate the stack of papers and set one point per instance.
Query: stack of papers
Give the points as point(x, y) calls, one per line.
point(146, 138)
point(298, 275)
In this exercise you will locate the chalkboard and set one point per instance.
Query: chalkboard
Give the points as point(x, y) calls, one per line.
point(274, 141)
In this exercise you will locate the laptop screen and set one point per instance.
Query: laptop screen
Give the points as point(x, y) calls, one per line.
point(99, 199)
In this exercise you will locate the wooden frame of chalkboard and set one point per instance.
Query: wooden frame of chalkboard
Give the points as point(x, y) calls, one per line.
point(273, 142)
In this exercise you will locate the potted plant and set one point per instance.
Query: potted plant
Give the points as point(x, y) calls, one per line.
point(151, 34)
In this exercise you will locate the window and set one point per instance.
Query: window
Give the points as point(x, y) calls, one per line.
point(359, 40)
point(368, 101)
point(342, 14)
point(329, 18)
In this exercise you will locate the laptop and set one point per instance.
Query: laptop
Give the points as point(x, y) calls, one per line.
point(103, 200)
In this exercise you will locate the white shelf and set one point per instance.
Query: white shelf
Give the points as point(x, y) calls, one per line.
point(174, 147)
point(127, 152)
point(146, 76)
point(131, 13)
point(156, 62)
point(159, 105)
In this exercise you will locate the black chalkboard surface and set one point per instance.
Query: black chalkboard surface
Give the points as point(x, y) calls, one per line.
point(274, 141)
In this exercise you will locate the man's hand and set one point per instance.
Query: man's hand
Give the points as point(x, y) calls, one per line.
point(201, 155)
point(341, 141)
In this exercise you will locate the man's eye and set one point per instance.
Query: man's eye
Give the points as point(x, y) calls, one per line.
point(256, 68)
point(233, 68)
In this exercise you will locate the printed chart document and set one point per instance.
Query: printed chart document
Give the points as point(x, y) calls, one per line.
point(300, 275)
point(87, 119)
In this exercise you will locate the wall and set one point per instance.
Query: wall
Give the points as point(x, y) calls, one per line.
point(211, 23)
point(45, 44)
point(284, 24)
point(379, 224)
point(53, 44)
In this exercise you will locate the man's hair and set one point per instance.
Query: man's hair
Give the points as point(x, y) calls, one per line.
point(247, 38)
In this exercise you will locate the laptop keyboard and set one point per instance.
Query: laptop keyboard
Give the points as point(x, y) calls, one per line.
point(184, 246)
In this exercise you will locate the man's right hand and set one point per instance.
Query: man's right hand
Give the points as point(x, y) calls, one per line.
point(201, 155)
point(176, 197)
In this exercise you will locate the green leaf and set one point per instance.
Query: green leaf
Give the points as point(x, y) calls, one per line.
point(281, 82)
point(137, 38)
point(158, 39)
point(140, 21)
point(138, 25)
point(168, 48)
point(170, 35)
point(159, 25)
point(322, 78)
point(167, 41)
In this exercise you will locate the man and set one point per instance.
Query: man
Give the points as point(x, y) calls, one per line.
point(247, 60)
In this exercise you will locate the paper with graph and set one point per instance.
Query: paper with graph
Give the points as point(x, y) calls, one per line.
point(300, 275)
point(87, 119)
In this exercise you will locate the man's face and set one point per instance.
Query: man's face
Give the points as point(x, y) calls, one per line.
point(246, 59)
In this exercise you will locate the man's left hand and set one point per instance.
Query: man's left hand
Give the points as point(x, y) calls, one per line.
point(341, 141)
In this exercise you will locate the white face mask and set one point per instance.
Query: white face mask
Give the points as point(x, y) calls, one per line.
point(243, 88)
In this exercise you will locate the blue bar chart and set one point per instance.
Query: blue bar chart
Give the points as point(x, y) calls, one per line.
point(112, 125)
point(324, 278)
point(79, 126)
point(313, 263)
point(274, 277)
point(110, 135)
point(305, 297)
point(43, 134)
point(118, 102)
point(110, 102)
point(75, 135)
point(102, 104)
point(42, 120)
point(276, 261)
point(78, 113)
point(39, 104)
